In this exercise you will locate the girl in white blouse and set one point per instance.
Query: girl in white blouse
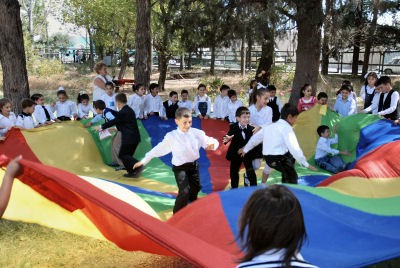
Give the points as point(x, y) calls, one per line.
point(7, 118)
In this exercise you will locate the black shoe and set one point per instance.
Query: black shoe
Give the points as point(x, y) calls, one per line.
point(138, 171)
point(130, 175)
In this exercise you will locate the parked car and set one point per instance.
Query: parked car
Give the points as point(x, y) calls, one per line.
point(392, 66)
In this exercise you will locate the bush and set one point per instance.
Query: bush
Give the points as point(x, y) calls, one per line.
point(44, 67)
point(213, 84)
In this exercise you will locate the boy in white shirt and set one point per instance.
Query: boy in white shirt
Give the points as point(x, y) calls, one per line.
point(25, 119)
point(43, 113)
point(221, 103)
point(136, 101)
point(280, 146)
point(184, 144)
point(326, 157)
point(185, 102)
point(153, 102)
point(109, 97)
point(233, 105)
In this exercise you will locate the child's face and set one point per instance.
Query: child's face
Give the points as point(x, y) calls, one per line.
point(30, 109)
point(307, 92)
point(185, 96)
point(174, 98)
point(384, 88)
point(224, 92)
point(326, 133)
point(254, 84)
point(40, 101)
point(243, 119)
point(184, 123)
point(202, 91)
point(263, 99)
point(140, 91)
point(233, 98)
point(98, 111)
point(62, 97)
point(85, 102)
point(6, 110)
point(109, 90)
point(291, 119)
point(119, 105)
point(154, 91)
point(345, 94)
point(371, 80)
point(272, 93)
point(323, 101)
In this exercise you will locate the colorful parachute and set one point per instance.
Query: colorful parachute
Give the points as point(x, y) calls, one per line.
point(352, 218)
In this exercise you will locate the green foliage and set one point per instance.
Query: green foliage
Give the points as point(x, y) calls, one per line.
point(282, 76)
point(45, 67)
point(245, 82)
point(396, 86)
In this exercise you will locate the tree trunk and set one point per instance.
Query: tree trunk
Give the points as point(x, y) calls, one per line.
point(12, 54)
point(243, 55)
point(309, 46)
point(143, 55)
point(181, 65)
point(124, 63)
point(212, 64)
point(357, 38)
point(369, 41)
point(248, 55)
point(91, 48)
point(327, 36)
point(163, 65)
point(189, 65)
point(267, 51)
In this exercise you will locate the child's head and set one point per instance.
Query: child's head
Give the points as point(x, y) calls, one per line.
point(370, 79)
point(153, 89)
point(323, 131)
point(38, 99)
point(109, 88)
point(243, 115)
point(253, 84)
point(347, 83)
point(28, 106)
point(272, 219)
point(289, 113)
point(322, 98)
point(261, 97)
point(183, 118)
point(345, 90)
point(139, 89)
point(62, 95)
point(99, 106)
point(232, 95)
point(272, 90)
point(173, 96)
point(224, 90)
point(5, 106)
point(121, 100)
point(384, 84)
point(83, 98)
point(201, 90)
point(306, 91)
point(184, 95)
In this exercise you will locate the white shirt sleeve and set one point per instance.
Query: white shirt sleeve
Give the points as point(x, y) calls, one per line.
point(294, 148)
point(19, 122)
point(353, 107)
point(255, 140)
point(206, 140)
point(161, 149)
point(73, 108)
point(394, 101)
point(196, 105)
point(208, 105)
point(362, 92)
point(81, 113)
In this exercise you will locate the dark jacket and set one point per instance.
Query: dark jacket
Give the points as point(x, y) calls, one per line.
point(125, 121)
point(170, 110)
point(237, 141)
point(383, 105)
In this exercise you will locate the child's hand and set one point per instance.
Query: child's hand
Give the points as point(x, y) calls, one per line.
point(227, 138)
point(2, 138)
point(14, 168)
point(345, 153)
point(88, 124)
point(164, 118)
point(312, 168)
point(241, 152)
point(396, 122)
point(112, 130)
point(200, 116)
point(138, 164)
point(145, 117)
point(210, 146)
point(206, 117)
point(97, 128)
point(256, 129)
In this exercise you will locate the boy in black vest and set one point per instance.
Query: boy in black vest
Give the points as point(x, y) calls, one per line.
point(275, 103)
point(388, 105)
point(170, 106)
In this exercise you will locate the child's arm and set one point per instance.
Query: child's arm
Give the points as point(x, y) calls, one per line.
point(353, 107)
point(299, 105)
point(255, 140)
point(294, 148)
point(208, 143)
point(228, 137)
point(13, 168)
point(161, 149)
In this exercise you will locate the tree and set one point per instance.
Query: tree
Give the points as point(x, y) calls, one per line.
point(12, 54)
point(143, 54)
point(326, 52)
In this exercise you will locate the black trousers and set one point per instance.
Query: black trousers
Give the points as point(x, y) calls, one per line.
point(284, 164)
point(126, 155)
point(236, 162)
point(64, 118)
point(188, 180)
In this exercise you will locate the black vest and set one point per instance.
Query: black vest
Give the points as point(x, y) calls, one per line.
point(368, 98)
point(275, 109)
point(383, 105)
point(171, 109)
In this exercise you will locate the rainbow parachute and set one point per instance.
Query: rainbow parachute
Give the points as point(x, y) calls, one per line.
point(352, 218)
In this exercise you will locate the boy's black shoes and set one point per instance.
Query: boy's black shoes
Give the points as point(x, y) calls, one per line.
point(135, 173)
point(130, 175)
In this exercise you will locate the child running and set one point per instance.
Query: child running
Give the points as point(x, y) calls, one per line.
point(184, 144)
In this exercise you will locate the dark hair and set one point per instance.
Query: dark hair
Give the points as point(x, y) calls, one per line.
point(62, 92)
point(373, 74)
point(271, 88)
point(99, 104)
point(183, 112)
point(349, 88)
point(259, 92)
point(184, 91)
point(321, 129)
point(272, 218)
point(383, 80)
point(224, 87)
point(231, 93)
point(347, 82)
point(322, 95)
point(121, 97)
point(25, 103)
point(136, 87)
point(109, 83)
point(3, 102)
point(82, 97)
point(153, 86)
point(36, 96)
point(287, 110)
point(302, 89)
point(251, 83)
point(201, 85)
point(241, 110)
point(172, 93)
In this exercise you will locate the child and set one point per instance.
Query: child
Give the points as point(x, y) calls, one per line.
point(221, 103)
point(322, 98)
point(43, 113)
point(274, 102)
point(260, 114)
point(352, 93)
point(136, 101)
point(84, 107)
point(25, 119)
point(239, 134)
point(64, 108)
point(12, 171)
point(109, 97)
point(202, 103)
point(233, 105)
point(101, 113)
point(184, 144)
point(306, 100)
point(170, 106)
point(153, 102)
point(280, 145)
point(368, 90)
point(185, 102)
point(125, 121)
point(272, 228)
point(388, 105)
point(326, 157)
point(252, 88)
point(345, 105)
point(7, 118)
point(373, 108)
